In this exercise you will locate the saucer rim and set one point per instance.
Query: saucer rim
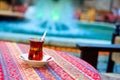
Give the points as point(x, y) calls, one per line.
point(40, 61)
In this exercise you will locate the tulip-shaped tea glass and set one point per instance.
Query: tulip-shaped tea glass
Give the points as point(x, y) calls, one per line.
point(36, 52)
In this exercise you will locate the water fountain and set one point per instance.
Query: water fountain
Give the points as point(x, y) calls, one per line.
point(61, 27)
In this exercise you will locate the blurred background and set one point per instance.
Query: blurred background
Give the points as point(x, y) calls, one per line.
point(67, 22)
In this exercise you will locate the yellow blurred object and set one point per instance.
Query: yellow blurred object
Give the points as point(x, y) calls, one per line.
point(84, 16)
point(3, 5)
point(89, 15)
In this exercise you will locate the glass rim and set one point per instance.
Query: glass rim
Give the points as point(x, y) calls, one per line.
point(35, 40)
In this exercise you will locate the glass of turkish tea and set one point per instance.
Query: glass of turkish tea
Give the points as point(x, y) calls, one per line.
point(36, 49)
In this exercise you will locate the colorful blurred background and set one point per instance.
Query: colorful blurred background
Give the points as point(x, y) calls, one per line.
point(67, 22)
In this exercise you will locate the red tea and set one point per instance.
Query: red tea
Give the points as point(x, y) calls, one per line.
point(35, 52)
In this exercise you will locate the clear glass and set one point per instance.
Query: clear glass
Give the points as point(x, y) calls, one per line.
point(36, 49)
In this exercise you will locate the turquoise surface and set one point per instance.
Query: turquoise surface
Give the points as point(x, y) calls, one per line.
point(74, 29)
point(57, 17)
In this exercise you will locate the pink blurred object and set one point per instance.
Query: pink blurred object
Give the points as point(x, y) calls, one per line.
point(21, 9)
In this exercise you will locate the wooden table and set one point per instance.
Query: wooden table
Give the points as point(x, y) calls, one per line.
point(90, 53)
point(63, 67)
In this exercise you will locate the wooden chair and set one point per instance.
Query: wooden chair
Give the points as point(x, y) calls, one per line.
point(89, 52)
point(116, 55)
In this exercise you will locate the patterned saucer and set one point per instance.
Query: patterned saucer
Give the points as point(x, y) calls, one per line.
point(36, 63)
